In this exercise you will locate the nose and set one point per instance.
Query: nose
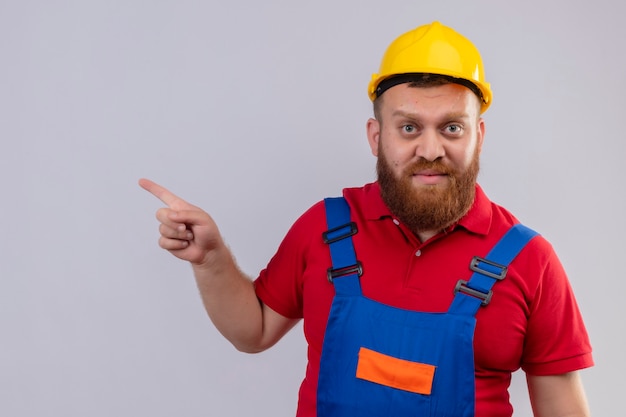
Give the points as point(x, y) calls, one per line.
point(430, 146)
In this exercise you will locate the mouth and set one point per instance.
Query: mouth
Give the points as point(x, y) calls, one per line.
point(430, 173)
point(430, 177)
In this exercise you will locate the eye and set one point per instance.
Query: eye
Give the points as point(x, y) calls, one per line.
point(408, 129)
point(454, 129)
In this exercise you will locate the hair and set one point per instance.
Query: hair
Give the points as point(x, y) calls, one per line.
point(421, 80)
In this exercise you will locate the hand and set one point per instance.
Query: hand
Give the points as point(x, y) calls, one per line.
point(187, 232)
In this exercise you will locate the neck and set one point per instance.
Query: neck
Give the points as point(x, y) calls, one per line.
point(424, 235)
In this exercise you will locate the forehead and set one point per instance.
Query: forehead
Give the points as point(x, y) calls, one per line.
point(441, 99)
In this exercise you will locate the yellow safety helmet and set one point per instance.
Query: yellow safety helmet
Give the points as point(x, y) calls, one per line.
point(432, 49)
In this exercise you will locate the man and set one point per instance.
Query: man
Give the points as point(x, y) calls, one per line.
point(419, 296)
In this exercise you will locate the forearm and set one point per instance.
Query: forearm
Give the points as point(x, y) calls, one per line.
point(230, 301)
point(189, 233)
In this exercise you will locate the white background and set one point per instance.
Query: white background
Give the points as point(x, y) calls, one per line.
point(254, 111)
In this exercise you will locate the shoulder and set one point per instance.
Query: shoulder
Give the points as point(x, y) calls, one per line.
point(310, 224)
point(365, 202)
point(537, 260)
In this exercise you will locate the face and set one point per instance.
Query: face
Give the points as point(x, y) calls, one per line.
point(428, 142)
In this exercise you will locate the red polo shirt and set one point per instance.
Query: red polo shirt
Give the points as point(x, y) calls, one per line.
point(532, 322)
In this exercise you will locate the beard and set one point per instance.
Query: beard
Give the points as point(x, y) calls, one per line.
point(429, 207)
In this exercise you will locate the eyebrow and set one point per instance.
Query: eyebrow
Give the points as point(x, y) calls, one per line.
point(447, 116)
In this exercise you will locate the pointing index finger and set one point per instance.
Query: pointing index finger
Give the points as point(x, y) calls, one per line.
point(159, 192)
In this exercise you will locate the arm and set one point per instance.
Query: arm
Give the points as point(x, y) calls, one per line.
point(557, 395)
point(228, 295)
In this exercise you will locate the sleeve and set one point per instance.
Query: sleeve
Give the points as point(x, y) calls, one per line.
point(556, 338)
point(280, 284)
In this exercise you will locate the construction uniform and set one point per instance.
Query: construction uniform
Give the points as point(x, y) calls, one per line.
point(532, 320)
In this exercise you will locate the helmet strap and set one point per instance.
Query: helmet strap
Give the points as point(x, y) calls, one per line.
point(419, 78)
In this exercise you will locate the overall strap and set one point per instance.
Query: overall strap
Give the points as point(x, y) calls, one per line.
point(346, 270)
point(472, 294)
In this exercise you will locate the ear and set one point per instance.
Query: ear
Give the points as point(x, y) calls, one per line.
point(373, 135)
point(480, 132)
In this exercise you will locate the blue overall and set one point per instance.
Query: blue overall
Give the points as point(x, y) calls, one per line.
point(379, 360)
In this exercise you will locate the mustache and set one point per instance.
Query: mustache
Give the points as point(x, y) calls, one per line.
point(436, 165)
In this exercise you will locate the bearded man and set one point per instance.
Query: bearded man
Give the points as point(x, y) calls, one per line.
point(419, 295)
point(427, 137)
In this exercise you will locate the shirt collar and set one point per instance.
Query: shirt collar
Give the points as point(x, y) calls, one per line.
point(368, 199)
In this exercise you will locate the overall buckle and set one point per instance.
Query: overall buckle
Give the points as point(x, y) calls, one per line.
point(461, 286)
point(333, 273)
point(340, 232)
point(475, 266)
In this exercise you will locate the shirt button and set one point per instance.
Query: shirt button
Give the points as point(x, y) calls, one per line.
point(418, 253)
point(396, 222)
